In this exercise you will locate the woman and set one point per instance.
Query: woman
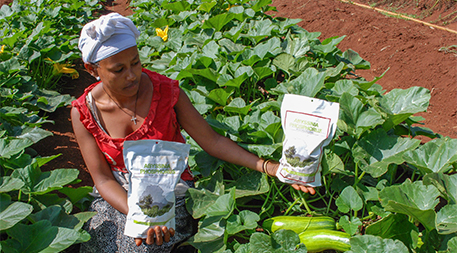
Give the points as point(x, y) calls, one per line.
point(132, 103)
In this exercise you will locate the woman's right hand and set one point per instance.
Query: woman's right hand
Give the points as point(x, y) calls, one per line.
point(157, 235)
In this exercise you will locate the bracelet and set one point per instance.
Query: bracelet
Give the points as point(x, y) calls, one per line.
point(264, 166)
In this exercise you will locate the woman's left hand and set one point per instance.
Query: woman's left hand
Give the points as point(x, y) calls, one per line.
point(157, 235)
point(271, 169)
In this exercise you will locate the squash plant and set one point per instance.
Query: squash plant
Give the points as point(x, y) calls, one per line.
point(236, 62)
point(37, 207)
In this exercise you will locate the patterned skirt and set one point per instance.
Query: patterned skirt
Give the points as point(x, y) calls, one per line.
point(106, 229)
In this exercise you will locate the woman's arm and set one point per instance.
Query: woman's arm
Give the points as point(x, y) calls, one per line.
point(219, 146)
point(99, 169)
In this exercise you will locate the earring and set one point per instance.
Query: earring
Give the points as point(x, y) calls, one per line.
point(98, 78)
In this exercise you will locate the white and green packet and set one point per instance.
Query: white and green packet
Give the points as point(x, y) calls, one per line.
point(309, 125)
point(154, 167)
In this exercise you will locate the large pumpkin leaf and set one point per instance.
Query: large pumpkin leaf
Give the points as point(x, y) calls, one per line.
point(353, 119)
point(39, 237)
point(309, 83)
point(252, 183)
point(446, 184)
point(210, 235)
point(37, 182)
point(400, 104)
point(413, 199)
point(244, 220)
point(13, 214)
point(281, 241)
point(395, 226)
point(11, 147)
point(8, 184)
point(434, 156)
point(375, 244)
point(377, 150)
point(446, 220)
point(348, 200)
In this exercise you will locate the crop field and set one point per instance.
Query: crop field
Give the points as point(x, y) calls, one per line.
point(389, 181)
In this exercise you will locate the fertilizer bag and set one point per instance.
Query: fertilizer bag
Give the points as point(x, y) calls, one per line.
point(154, 168)
point(309, 125)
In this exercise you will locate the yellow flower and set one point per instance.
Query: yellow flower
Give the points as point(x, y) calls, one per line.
point(63, 69)
point(162, 33)
point(230, 6)
point(1, 50)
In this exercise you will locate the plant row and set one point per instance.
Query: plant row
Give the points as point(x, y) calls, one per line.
point(38, 42)
point(236, 61)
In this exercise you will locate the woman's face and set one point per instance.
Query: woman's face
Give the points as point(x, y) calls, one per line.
point(121, 73)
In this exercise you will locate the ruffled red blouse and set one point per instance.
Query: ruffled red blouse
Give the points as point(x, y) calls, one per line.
point(159, 124)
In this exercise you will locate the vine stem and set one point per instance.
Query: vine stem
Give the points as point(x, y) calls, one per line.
point(290, 206)
point(304, 202)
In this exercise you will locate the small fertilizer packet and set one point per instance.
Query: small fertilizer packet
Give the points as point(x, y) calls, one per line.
point(154, 168)
point(309, 125)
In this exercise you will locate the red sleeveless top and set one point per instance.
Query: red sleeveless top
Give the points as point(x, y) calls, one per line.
point(159, 124)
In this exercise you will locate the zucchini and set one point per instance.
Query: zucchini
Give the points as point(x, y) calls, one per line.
point(298, 224)
point(324, 239)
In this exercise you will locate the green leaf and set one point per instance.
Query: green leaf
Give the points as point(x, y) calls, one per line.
point(244, 220)
point(377, 150)
point(400, 104)
point(342, 86)
point(413, 199)
point(206, 7)
point(47, 181)
point(251, 183)
point(260, 29)
point(281, 241)
point(200, 102)
point(8, 184)
point(446, 184)
point(210, 235)
point(284, 61)
point(13, 214)
point(309, 83)
point(219, 21)
point(434, 156)
point(177, 6)
point(350, 226)
point(223, 206)
point(261, 150)
point(228, 80)
point(199, 201)
point(452, 245)
point(354, 58)
point(348, 200)
point(395, 226)
point(220, 95)
point(375, 244)
point(237, 105)
point(76, 194)
point(57, 216)
point(353, 119)
point(34, 134)
point(13, 147)
point(328, 45)
point(331, 163)
point(446, 220)
point(41, 237)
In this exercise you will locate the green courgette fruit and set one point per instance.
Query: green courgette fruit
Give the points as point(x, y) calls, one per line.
point(298, 224)
point(324, 239)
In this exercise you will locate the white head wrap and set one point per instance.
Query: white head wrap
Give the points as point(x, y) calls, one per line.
point(107, 36)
